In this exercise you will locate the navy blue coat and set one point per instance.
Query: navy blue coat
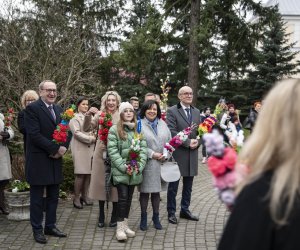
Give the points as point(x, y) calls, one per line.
point(40, 168)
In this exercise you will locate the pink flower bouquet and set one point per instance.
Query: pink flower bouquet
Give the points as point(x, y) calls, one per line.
point(177, 140)
point(221, 164)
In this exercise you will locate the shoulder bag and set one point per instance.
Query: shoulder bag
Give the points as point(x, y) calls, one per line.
point(170, 171)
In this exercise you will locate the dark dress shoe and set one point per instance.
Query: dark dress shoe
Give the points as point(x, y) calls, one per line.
point(55, 232)
point(172, 219)
point(39, 237)
point(86, 202)
point(77, 206)
point(188, 215)
point(101, 224)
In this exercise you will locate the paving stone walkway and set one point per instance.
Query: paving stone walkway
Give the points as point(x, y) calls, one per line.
point(80, 225)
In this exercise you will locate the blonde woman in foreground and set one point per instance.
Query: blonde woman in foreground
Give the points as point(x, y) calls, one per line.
point(267, 210)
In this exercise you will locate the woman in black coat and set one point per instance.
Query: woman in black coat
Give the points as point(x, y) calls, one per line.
point(267, 210)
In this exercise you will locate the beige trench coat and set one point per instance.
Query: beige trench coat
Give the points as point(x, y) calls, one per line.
point(97, 185)
point(82, 145)
point(5, 165)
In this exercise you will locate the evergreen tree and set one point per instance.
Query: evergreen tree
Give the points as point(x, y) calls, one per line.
point(274, 57)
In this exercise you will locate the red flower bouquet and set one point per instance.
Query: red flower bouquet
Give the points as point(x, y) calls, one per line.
point(60, 134)
point(105, 121)
point(8, 118)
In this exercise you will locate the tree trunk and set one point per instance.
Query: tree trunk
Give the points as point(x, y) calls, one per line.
point(193, 72)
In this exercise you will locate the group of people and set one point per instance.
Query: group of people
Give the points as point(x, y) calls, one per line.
point(90, 153)
point(266, 211)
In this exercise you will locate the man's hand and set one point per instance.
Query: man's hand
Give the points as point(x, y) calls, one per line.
point(56, 156)
point(193, 143)
point(92, 110)
point(62, 150)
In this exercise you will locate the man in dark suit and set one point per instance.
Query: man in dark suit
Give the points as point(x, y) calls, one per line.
point(179, 117)
point(44, 161)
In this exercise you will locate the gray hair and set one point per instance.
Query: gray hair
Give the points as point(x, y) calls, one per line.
point(41, 85)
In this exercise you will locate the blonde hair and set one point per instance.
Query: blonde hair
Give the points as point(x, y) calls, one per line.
point(28, 94)
point(275, 145)
point(105, 97)
point(120, 126)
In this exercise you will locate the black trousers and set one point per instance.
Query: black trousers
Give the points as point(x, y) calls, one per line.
point(37, 206)
point(185, 196)
point(125, 193)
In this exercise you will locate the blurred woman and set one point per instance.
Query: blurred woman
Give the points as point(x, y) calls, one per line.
point(82, 146)
point(206, 114)
point(28, 97)
point(109, 104)
point(251, 118)
point(5, 164)
point(266, 214)
point(156, 134)
point(124, 177)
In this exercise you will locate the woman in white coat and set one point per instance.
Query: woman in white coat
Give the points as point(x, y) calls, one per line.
point(156, 134)
point(5, 165)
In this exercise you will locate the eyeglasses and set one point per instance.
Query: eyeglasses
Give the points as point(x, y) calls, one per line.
point(187, 93)
point(50, 90)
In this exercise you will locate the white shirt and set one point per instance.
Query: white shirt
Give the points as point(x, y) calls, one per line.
point(184, 108)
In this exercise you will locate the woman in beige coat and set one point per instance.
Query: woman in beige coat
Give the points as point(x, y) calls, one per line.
point(109, 103)
point(82, 146)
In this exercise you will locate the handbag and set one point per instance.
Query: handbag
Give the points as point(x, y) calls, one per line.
point(170, 171)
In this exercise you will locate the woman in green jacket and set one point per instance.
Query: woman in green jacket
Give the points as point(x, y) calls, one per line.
point(128, 153)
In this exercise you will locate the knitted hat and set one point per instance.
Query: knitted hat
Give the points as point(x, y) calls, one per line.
point(125, 105)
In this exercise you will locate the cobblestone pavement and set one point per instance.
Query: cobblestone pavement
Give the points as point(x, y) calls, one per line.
point(80, 225)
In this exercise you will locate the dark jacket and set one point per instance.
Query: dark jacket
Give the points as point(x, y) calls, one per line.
point(250, 225)
point(250, 119)
point(40, 168)
point(21, 126)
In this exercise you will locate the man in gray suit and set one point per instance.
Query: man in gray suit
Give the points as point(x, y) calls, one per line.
point(179, 117)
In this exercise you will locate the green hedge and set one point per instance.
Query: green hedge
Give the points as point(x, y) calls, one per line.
point(68, 173)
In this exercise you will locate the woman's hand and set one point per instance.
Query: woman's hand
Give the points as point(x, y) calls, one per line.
point(158, 156)
point(92, 110)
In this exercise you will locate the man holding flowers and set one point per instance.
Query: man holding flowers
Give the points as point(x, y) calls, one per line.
point(44, 160)
point(179, 117)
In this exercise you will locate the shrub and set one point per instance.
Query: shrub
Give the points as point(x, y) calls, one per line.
point(68, 173)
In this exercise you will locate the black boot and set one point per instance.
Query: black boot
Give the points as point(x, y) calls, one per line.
point(113, 220)
point(143, 224)
point(3, 207)
point(156, 221)
point(101, 214)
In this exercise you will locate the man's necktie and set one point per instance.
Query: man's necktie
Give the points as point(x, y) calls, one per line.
point(52, 112)
point(188, 114)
